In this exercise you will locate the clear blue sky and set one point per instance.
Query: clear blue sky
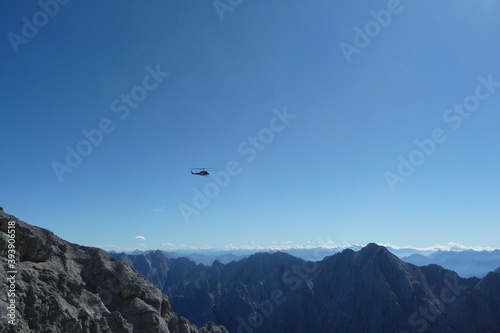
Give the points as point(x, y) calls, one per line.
point(322, 176)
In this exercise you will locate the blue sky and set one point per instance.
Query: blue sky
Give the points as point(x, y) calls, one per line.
point(321, 176)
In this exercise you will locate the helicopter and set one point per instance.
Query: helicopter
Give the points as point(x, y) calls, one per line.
point(203, 171)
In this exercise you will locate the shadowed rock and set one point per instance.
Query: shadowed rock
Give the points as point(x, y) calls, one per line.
point(64, 287)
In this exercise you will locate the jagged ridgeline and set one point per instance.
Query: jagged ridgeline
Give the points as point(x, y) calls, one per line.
point(56, 286)
point(370, 290)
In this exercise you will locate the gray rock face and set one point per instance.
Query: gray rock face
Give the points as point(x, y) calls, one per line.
point(64, 287)
point(370, 290)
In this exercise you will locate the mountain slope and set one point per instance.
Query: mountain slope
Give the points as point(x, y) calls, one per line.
point(64, 287)
point(479, 310)
point(366, 291)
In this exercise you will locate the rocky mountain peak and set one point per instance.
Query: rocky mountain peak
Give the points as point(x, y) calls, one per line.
point(64, 287)
point(373, 249)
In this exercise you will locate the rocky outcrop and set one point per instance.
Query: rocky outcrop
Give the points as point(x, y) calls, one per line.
point(63, 287)
point(370, 290)
point(479, 309)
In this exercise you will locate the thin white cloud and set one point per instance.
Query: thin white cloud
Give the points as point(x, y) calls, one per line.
point(450, 247)
point(310, 245)
point(173, 246)
point(158, 210)
point(331, 245)
point(112, 246)
point(286, 245)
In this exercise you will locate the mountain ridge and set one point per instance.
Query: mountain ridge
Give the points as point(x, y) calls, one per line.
point(65, 287)
point(466, 261)
point(350, 291)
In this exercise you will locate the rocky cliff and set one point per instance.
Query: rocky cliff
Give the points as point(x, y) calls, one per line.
point(51, 285)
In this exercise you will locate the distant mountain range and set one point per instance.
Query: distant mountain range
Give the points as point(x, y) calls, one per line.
point(208, 257)
point(370, 290)
point(466, 262)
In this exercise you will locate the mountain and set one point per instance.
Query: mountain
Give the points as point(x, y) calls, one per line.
point(370, 290)
point(475, 266)
point(418, 260)
point(208, 258)
point(224, 256)
point(466, 263)
point(497, 270)
point(319, 253)
point(479, 310)
point(56, 286)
